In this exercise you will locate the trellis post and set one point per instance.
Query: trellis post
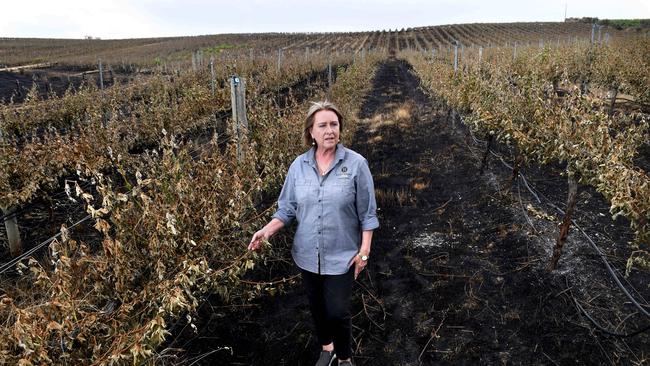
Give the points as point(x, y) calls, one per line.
point(101, 75)
point(455, 56)
point(13, 233)
point(329, 78)
point(238, 100)
point(599, 33)
point(212, 79)
point(593, 32)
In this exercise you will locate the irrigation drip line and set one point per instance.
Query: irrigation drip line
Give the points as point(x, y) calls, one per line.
point(593, 245)
point(597, 324)
point(612, 273)
point(12, 262)
point(602, 328)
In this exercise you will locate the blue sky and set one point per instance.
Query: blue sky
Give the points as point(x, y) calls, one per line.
point(155, 18)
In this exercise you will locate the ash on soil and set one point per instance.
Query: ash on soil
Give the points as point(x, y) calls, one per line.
point(458, 268)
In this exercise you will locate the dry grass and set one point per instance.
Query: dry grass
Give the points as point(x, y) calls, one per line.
point(403, 112)
point(394, 197)
point(418, 186)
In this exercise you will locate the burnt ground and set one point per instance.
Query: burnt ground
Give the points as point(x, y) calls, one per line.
point(458, 268)
point(16, 85)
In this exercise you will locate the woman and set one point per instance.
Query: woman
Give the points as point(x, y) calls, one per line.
point(330, 193)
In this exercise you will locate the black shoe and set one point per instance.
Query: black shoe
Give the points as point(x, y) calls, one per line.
point(326, 358)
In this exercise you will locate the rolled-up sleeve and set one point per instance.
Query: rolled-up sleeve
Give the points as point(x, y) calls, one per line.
point(365, 201)
point(287, 204)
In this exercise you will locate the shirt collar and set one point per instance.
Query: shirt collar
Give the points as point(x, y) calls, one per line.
point(310, 157)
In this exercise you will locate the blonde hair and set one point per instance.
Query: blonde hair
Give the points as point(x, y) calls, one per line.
point(324, 105)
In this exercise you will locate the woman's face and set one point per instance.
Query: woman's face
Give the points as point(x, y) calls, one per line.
point(325, 129)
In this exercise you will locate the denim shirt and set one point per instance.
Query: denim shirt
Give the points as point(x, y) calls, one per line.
point(331, 210)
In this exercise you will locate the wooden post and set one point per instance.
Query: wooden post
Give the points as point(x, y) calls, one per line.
point(329, 78)
point(514, 53)
point(593, 32)
point(572, 198)
point(13, 233)
point(193, 60)
point(612, 101)
point(455, 56)
point(279, 59)
point(101, 75)
point(212, 80)
point(599, 29)
point(480, 55)
point(238, 101)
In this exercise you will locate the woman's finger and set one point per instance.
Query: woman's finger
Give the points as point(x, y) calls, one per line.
point(255, 242)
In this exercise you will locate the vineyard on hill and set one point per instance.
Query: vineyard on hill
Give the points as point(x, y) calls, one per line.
point(129, 185)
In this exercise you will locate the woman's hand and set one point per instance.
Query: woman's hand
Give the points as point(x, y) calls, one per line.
point(359, 265)
point(265, 233)
point(259, 237)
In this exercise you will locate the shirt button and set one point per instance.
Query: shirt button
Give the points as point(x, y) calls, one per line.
point(319, 200)
point(319, 216)
point(319, 232)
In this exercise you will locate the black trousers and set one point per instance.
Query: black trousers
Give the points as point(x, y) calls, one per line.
point(329, 300)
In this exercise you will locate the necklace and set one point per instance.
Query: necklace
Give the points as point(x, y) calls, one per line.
point(322, 171)
point(327, 164)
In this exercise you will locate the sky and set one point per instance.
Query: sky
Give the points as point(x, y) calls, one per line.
point(159, 18)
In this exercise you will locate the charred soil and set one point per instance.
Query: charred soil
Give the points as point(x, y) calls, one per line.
point(458, 268)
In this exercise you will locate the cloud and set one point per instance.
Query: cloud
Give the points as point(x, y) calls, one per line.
point(75, 19)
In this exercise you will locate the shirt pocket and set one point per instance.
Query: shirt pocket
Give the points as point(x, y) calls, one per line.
point(344, 186)
point(304, 189)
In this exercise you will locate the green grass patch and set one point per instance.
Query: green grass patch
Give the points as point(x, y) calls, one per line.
point(626, 23)
point(218, 48)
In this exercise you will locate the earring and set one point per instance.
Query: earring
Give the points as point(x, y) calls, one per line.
point(313, 142)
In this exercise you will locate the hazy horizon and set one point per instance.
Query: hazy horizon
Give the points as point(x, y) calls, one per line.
point(121, 19)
